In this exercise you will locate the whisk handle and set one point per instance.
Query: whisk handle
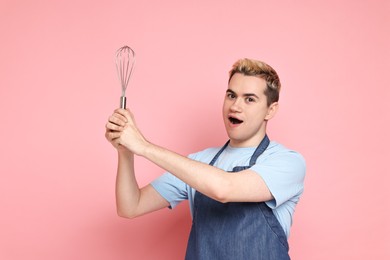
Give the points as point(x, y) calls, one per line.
point(123, 102)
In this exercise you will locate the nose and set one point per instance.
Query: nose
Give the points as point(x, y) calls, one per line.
point(236, 106)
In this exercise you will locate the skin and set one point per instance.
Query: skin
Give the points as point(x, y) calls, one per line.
point(245, 101)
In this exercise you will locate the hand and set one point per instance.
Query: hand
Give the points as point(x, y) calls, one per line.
point(121, 131)
point(114, 127)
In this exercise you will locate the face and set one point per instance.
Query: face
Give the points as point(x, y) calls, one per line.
point(245, 110)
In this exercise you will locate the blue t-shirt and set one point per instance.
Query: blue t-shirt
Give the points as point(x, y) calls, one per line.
point(282, 169)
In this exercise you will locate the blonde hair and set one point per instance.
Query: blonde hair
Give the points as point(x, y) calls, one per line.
point(262, 70)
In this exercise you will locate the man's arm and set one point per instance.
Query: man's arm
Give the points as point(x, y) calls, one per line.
point(245, 186)
point(131, 201)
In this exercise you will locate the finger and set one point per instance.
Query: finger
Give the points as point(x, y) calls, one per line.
point(112, 135)
point(117, 142)
point(125, 113)
point(113, 127)
point(117, 119)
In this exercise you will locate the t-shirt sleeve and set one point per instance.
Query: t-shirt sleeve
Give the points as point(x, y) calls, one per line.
point(284, 175)
point(171, 188)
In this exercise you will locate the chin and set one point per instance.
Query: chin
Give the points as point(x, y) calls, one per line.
point(235, 138)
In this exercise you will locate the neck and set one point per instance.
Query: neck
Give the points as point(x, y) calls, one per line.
point(253, 142)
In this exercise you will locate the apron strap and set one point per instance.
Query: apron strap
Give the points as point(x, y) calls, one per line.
point(259, 150)
point(219, 153)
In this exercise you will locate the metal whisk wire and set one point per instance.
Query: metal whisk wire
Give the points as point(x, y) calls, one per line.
point(125, 60)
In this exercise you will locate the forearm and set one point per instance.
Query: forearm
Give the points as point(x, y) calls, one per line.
point(127, 190)
point(131, 201)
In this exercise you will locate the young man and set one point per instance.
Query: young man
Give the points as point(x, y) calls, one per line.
point(242, 195)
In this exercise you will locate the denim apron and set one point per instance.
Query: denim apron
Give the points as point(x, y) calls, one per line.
point(235, 230)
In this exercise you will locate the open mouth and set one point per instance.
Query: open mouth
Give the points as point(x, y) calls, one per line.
point(235, 121)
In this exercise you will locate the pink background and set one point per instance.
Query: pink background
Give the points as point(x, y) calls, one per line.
point(58, 86)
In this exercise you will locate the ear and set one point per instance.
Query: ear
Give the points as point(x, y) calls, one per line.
point(272, 109)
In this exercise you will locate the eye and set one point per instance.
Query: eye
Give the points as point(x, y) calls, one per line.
point(250, 99)
point(230, 95)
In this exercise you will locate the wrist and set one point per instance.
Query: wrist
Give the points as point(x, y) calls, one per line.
point(123, 151)
point(145, 148)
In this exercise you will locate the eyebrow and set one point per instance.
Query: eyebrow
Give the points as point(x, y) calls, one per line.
point(245, 94)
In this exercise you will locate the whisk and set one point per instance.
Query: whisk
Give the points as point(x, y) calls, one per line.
point(124, 59)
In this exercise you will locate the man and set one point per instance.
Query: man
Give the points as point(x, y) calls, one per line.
point(242, 196)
